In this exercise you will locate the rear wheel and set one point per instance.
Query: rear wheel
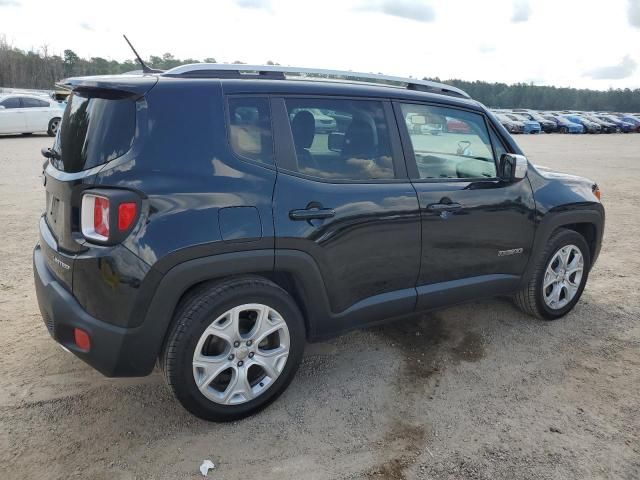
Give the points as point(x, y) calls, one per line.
point(564, 130)
point(54, 124)
point(559, 277)
point(234, 348)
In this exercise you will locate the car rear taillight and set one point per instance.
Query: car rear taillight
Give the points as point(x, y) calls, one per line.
point(95, 217)
point(107, 215)
point(126, 215)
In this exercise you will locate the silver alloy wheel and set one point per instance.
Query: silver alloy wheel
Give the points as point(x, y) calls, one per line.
point(241, 354)
point(54, 126)
point(562, 277)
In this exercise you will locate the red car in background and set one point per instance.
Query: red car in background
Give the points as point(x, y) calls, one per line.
point(457, 126)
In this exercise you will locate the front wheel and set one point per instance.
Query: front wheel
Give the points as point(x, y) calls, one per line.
point(559, 277)
point(234, 348)
point(54, 124)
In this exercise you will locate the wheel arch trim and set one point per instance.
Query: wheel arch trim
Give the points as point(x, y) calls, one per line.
point(182, 277)
point(552, 221)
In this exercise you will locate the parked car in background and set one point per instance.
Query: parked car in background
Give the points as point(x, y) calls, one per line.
point(564, 125)
point(457, 126)
point(590, 127)
point(624, 127)
point(547, 126)
point(633, 120)
point(422, 124)
point(529, 125)
point(23, 113)
point(607, 127)
point(512, 126)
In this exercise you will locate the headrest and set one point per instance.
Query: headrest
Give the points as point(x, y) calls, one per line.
point(303, 128)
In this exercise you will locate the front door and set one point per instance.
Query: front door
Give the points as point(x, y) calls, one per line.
point(477, 230)
point(343, 198)
point(12, 118)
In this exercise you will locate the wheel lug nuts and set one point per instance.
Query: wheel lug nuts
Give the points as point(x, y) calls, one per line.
point(249, 342)
point(230, 357)
point(240, 363)
point(250, 354)
point(236, 344)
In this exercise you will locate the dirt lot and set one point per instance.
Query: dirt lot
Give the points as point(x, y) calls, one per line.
point(477, 391)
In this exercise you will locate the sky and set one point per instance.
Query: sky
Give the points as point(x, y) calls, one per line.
point(575, 43)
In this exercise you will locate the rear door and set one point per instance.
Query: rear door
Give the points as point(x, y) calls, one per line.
point(37, 114)
point(477, 230)
point(12, 118)
point(342, 196)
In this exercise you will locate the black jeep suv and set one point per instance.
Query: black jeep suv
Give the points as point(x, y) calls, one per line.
point(213, 220)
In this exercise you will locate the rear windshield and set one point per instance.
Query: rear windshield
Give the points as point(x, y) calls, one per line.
point(93, 131)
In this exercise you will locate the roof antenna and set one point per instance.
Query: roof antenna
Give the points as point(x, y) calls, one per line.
point(145, 67)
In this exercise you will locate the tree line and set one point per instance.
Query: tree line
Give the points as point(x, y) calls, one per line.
point(523, 95)
point(41, 69)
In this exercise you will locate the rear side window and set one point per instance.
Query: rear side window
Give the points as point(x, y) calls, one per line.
point(11, 102)
point(28, 102)
point(94, 131)
point(250, 128)
point(340, 138)
point(449, 143)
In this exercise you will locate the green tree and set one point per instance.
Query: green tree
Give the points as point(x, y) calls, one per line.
point(70, 61)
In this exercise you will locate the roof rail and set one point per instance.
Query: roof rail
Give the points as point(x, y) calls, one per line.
point(277, 72)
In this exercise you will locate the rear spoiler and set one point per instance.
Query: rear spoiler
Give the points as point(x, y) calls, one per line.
point(112, 85)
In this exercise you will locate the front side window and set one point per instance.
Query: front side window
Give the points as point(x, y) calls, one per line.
point(449, 143)
point(250, 128)
point(11, 102)
point(340, 139)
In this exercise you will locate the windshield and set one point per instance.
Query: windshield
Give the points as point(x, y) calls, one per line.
point(93, 131)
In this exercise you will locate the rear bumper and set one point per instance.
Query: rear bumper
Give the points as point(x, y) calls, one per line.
point(115, 351)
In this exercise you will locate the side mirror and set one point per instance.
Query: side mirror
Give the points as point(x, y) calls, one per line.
point(513, 167)
point(335, 141)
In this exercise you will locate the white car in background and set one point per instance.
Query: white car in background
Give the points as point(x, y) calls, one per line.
point(24, 113)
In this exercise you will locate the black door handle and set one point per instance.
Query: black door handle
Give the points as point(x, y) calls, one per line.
point(312, 213)
point(444, 207)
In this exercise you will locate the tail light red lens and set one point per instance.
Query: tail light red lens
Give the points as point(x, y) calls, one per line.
point(101, 216)
point(107, 215)
point(95, 217)
point(126, 215)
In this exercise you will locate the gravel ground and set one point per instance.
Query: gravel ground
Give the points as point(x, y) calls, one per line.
point(477, 391)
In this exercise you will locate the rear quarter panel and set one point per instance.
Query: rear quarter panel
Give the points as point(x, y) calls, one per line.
point(187, 173)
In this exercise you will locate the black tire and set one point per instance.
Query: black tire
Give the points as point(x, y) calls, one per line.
point(54, 124)
point(530, 299)
point(195, 314)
